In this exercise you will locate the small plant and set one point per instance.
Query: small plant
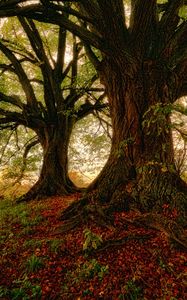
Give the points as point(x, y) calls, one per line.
point(18, 294)
point(3, 292)
point(34, 263)
point(55, 245)
point(36, 292)
point(92, 241)
point(27, 230)
point(87, 292)
point(25, 290)
point(91, 268)
point(32, 244)
point(36, 220)
point(132, 292)
point(23, 218)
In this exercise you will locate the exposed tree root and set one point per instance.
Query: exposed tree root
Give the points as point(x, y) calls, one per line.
point(75, 208)
point(148, 194)
point(44, 188)
point(81, 212)
point(119, 242)
point(173, 230)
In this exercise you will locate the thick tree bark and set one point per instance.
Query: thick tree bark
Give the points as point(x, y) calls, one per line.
point(140, 170)
point(53, 178)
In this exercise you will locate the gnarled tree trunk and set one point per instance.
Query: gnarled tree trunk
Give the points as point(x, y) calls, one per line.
point(140, 170)
point(53, 178)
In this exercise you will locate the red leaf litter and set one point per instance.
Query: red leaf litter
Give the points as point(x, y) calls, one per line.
point(138, 269)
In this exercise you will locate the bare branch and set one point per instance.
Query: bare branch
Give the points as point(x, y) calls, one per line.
point(10, 3)
point(70, 11)
point(37, 45)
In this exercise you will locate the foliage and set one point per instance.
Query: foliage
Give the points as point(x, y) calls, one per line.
point(132, 291)
point(55, 245)
point(92, 241)
point(91, 268)
point(25, 291)
point(157, 114)
point(49, 94)
point(89, 146)
point(131, 270)
point(33, 264)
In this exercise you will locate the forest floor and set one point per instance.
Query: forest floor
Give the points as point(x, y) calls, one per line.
point(39, 261)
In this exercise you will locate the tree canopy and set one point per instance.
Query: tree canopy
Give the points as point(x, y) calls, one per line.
point(45, 88)
point(139, 50)
point(155, 29)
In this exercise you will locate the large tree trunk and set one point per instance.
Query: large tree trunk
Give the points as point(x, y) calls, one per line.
point(53, 178)
point(140, 170)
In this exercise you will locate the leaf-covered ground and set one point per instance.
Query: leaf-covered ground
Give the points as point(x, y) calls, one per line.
point(38, 261)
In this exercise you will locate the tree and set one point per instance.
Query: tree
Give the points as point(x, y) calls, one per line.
point(142, 62)
point(50, 99)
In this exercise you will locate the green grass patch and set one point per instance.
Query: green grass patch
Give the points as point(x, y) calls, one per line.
point(32, 244)
point(55, 245)
point(33, 264)
point(23, 290)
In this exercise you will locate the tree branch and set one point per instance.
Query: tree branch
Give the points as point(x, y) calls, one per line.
point(43, 14)
point(59, 65)
point(170, 19)
point(37, 45)
point(68, 10)
point(92, 57)
point(143, 24)
point(31, 99)
point(13, 117)
point(87, 108)
point(10, 3)
point(113, 19)
point(34, 38)
point(27, 147)
point(15, 100)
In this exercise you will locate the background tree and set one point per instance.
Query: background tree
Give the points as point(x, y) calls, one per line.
point(50, 96)
point(90, 145)
point(142, 62)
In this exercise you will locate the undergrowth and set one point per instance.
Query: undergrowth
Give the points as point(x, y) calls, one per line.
point(40, 262)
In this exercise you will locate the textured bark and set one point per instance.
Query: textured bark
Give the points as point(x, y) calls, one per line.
point(140, 171)
point(53, 179)
point(143, 68)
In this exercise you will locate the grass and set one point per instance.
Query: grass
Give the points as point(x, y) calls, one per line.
point(33, 264)
point(39, 261)
point(23, 290)
point(13, 213)
point(55, 245)
point(32, 244)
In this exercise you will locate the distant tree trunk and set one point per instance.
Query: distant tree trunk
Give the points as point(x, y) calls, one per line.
point(53, 179)
point(140, 170)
